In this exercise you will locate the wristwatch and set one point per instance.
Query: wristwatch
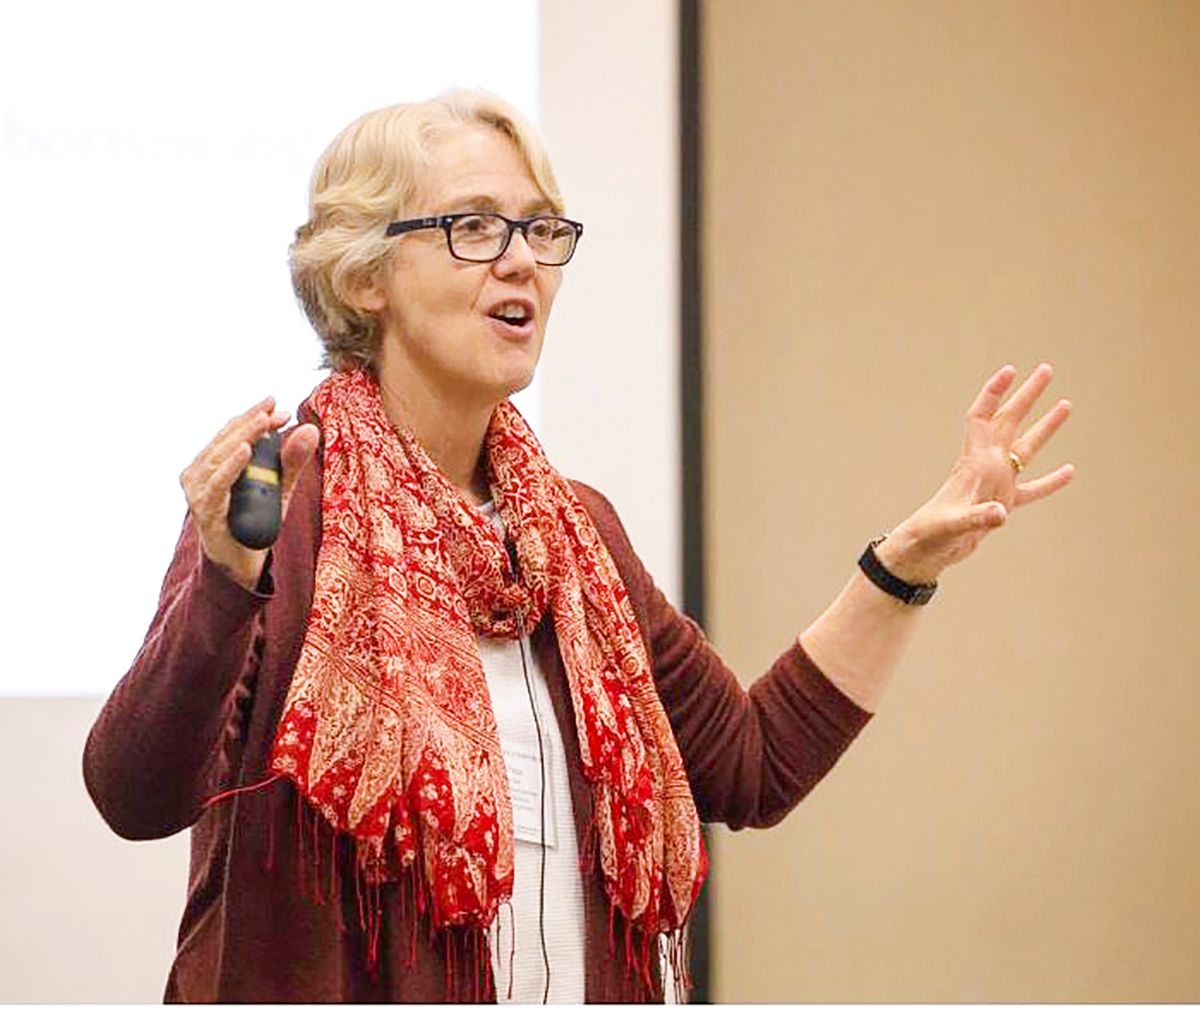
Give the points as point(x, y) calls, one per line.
point(915, 595)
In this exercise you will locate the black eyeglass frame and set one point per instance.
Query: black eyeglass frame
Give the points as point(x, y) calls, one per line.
point(446, 221)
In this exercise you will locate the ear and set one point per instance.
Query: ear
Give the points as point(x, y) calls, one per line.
point(368, 295)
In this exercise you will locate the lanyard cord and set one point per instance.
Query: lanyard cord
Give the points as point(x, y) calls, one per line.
point(510, 548)
point(537, 722)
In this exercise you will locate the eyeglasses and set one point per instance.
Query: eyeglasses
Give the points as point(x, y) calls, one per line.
point(483, 238)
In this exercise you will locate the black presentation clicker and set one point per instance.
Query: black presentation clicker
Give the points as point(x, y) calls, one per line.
point(255, 504)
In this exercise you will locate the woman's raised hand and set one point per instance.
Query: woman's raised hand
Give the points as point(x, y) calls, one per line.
point(207, 482)
point(985, 483)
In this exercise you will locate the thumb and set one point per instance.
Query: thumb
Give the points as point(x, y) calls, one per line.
point(985, 516)
point(972, 519)
point(297, 451)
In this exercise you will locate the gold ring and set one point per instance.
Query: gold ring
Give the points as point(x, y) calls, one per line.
point(1017, 463)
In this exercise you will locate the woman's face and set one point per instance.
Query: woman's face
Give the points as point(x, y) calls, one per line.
point(441, 338)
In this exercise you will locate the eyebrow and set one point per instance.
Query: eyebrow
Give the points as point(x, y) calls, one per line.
point(488, 205)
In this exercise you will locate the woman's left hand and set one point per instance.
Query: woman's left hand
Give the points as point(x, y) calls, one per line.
point(985, 483)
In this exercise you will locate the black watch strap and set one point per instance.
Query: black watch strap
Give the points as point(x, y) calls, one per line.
point(906, 592)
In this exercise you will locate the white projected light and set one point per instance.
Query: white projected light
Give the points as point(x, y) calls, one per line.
point(155, 162)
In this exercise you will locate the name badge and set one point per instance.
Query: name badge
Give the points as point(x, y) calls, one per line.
point(525, 787)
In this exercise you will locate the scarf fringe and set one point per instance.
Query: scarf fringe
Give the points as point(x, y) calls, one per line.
point(637, 946)
point(644, 956)
point(316, 840)
point(459, 944)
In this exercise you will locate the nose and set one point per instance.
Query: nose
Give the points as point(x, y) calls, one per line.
point(518, 258)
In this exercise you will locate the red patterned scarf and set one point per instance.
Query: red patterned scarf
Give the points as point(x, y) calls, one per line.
point(387, 729)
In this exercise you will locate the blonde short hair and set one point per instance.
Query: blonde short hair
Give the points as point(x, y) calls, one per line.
point(364, 180)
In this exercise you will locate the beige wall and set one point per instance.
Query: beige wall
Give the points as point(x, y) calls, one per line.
point(899, 197)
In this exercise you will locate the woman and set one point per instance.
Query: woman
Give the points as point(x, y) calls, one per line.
point(445, 739)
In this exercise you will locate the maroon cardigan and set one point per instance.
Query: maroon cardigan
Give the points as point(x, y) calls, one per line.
point(270, 916)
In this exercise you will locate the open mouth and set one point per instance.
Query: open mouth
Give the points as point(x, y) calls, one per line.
point(515, 315)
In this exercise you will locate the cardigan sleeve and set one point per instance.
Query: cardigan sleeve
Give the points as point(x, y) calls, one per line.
point(155, 752)
point(751, 755)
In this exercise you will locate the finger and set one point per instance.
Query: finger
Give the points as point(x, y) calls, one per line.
point(297, 451)
point(1018, 405)
point(210, 499)
point(984, 516)
point(243, 447)
point(974, 519)
point(264, 406)
point(1033, 490)
point(202, 459)
point(247, 430)
point(988, 400)
point(250, 430)
point(1029, 444)
point(214, 488)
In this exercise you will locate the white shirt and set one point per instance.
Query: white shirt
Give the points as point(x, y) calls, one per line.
point(516, 936)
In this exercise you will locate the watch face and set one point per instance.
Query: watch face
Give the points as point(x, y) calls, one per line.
point(922, 595)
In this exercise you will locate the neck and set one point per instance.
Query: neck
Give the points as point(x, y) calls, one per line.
point(451, 433)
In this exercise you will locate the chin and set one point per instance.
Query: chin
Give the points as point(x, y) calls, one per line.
point(510, 375)
point(524, 382)
point(518, 376)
